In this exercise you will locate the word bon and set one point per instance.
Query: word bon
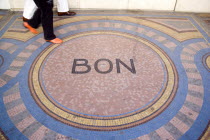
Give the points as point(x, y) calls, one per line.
point(84, 63)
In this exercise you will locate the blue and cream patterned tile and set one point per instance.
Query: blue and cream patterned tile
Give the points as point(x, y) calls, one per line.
point(118, 75)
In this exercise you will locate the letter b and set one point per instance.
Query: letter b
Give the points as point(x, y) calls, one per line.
point(85, 64)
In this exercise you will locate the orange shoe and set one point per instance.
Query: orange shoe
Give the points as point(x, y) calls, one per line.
point(30, 28)
point(55, 41)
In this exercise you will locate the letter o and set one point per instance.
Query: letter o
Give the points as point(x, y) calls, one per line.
point(103, 72)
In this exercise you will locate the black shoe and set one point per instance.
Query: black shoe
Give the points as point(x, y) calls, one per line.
point(69, 13)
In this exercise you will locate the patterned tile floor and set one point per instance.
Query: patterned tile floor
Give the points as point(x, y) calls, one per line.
point(118, 75)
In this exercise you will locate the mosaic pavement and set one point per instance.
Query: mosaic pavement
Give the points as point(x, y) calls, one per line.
point(117, 76)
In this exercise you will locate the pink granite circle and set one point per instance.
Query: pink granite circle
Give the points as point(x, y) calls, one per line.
point(103, 94)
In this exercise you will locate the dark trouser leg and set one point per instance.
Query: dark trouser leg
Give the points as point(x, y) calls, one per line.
point(36, 19)
point(44, 14)
point(47, 22)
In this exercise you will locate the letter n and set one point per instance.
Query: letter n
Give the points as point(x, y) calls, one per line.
point(132, 69)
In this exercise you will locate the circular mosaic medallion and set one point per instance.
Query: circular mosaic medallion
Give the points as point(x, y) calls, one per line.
point(86, 86)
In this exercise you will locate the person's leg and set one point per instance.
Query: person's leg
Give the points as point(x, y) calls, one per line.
point(29, 9)
point(44, 14)
point(35, 21)
point(47, 22)
point(63, 8)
